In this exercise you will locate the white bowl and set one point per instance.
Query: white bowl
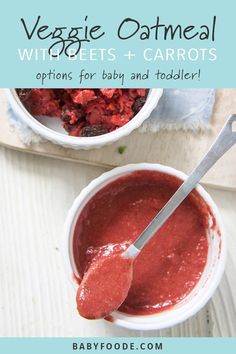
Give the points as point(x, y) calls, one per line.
point(52, 128)
point(209, 280)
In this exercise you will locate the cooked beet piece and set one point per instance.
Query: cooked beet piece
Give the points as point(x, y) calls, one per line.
point(72, 114)
point(138, 104)
point(93, 130)
point(23, 94)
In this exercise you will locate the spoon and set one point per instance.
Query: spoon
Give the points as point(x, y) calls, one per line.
point(106, 284)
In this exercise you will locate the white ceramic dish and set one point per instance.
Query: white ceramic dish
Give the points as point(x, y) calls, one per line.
point(51, 129)
point(210, 277)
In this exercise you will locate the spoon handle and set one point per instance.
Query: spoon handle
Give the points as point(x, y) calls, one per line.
point(225, 140)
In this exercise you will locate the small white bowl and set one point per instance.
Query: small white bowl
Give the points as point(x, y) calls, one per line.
point(52, 128)
point(209, 280)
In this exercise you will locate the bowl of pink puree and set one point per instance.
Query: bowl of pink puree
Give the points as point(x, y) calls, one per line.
point(178, 271)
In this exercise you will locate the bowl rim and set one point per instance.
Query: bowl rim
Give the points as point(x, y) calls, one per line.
point(84, 142)
point(94, 186)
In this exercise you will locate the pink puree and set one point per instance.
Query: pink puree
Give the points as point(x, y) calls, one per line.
point(171, 264)
point(105, 285)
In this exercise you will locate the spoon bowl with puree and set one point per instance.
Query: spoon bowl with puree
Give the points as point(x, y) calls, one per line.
point(107, 281)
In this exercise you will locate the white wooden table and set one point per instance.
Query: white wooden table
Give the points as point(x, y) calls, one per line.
point(36, 298)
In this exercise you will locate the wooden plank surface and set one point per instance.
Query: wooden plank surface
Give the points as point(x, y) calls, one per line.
point(181, 150)
point(36, 298)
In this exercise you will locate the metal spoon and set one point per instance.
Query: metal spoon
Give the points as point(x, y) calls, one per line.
point(225, 140)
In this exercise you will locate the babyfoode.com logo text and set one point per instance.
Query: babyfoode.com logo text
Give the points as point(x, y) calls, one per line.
point(119, 346)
